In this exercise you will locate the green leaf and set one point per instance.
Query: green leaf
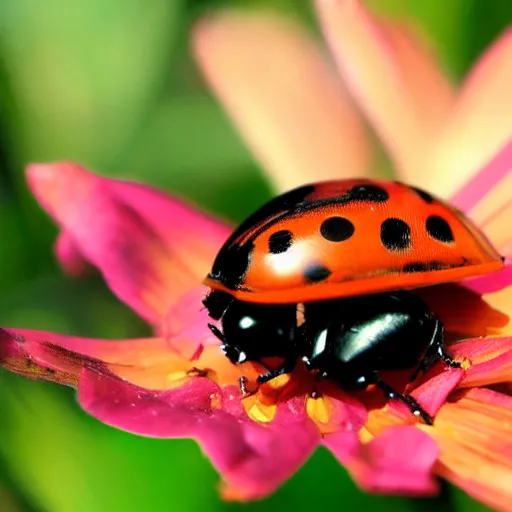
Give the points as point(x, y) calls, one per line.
point(83, 73)
point(190, 147)
point(186, 135)
point(67, 461)
point(465, 503)
point(445, 24)
point(486, 23)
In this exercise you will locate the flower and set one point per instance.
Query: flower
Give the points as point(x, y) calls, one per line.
point(153, 251)
point(288, 96)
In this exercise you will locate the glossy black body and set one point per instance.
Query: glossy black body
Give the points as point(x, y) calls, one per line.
point(349, 341)
point(259, 331)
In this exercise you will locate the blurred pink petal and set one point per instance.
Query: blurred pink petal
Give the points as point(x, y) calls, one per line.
point(481, 122)
point(400, 460)
point(488, 178)
point(393, 77)
point(69, 256)
point(287, 102)
point(150, 248)
point(487, 198)
point(186, 324)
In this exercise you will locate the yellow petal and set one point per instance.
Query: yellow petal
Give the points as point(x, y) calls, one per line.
point(480, 124)
point(393, 76)
point(284, 97)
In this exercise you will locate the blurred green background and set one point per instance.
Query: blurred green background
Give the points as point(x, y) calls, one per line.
point(110, 84)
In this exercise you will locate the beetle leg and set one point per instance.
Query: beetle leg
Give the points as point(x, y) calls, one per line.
point(438, 348)
point(287, 367)
point(435, 352)
point(242, 384)
point(408, 400)
point(217, 332)
point(423, 366)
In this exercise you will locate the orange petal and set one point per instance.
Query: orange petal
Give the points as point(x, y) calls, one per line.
point(466, 314)
point(148, 363)
point(284, 97)
point(502, 301)
point(393, 76)
point(481, 123)
point(474, 435)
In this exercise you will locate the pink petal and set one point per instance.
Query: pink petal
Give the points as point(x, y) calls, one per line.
point(151, 363)
point(487, 199)
point(36, 361)
point(186, 324)
point(253, 459)
point(434, 392)
point(481, 122)
point(492, 282)
point(69, 255)
point(471, 193)
point(391, 74)
point(491, 361)
point(398, 461)
point(287, 102)
point(150, 247)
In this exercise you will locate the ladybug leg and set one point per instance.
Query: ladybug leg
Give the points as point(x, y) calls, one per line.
point(265, 365)
point(408, 400)
point(287, 367)
point(439, 350)
point(233, 357)
point(435, 352)
point(425, 364)
point(244, 390)
point(216, 332)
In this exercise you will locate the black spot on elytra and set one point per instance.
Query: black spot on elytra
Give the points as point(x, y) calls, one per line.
point(439, 229)
point(337, 229)
point(426, 266)
point(371, 193)
point(287, 201)
point(395, 234)
point(280, 241)
point(316, 273)
point(424, 195)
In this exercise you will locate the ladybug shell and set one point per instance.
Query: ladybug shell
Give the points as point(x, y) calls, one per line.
point(349, 237)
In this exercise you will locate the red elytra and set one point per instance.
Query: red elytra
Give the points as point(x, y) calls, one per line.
point(349, 237)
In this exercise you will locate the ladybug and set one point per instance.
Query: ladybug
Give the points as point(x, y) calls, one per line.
point(348, 252)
